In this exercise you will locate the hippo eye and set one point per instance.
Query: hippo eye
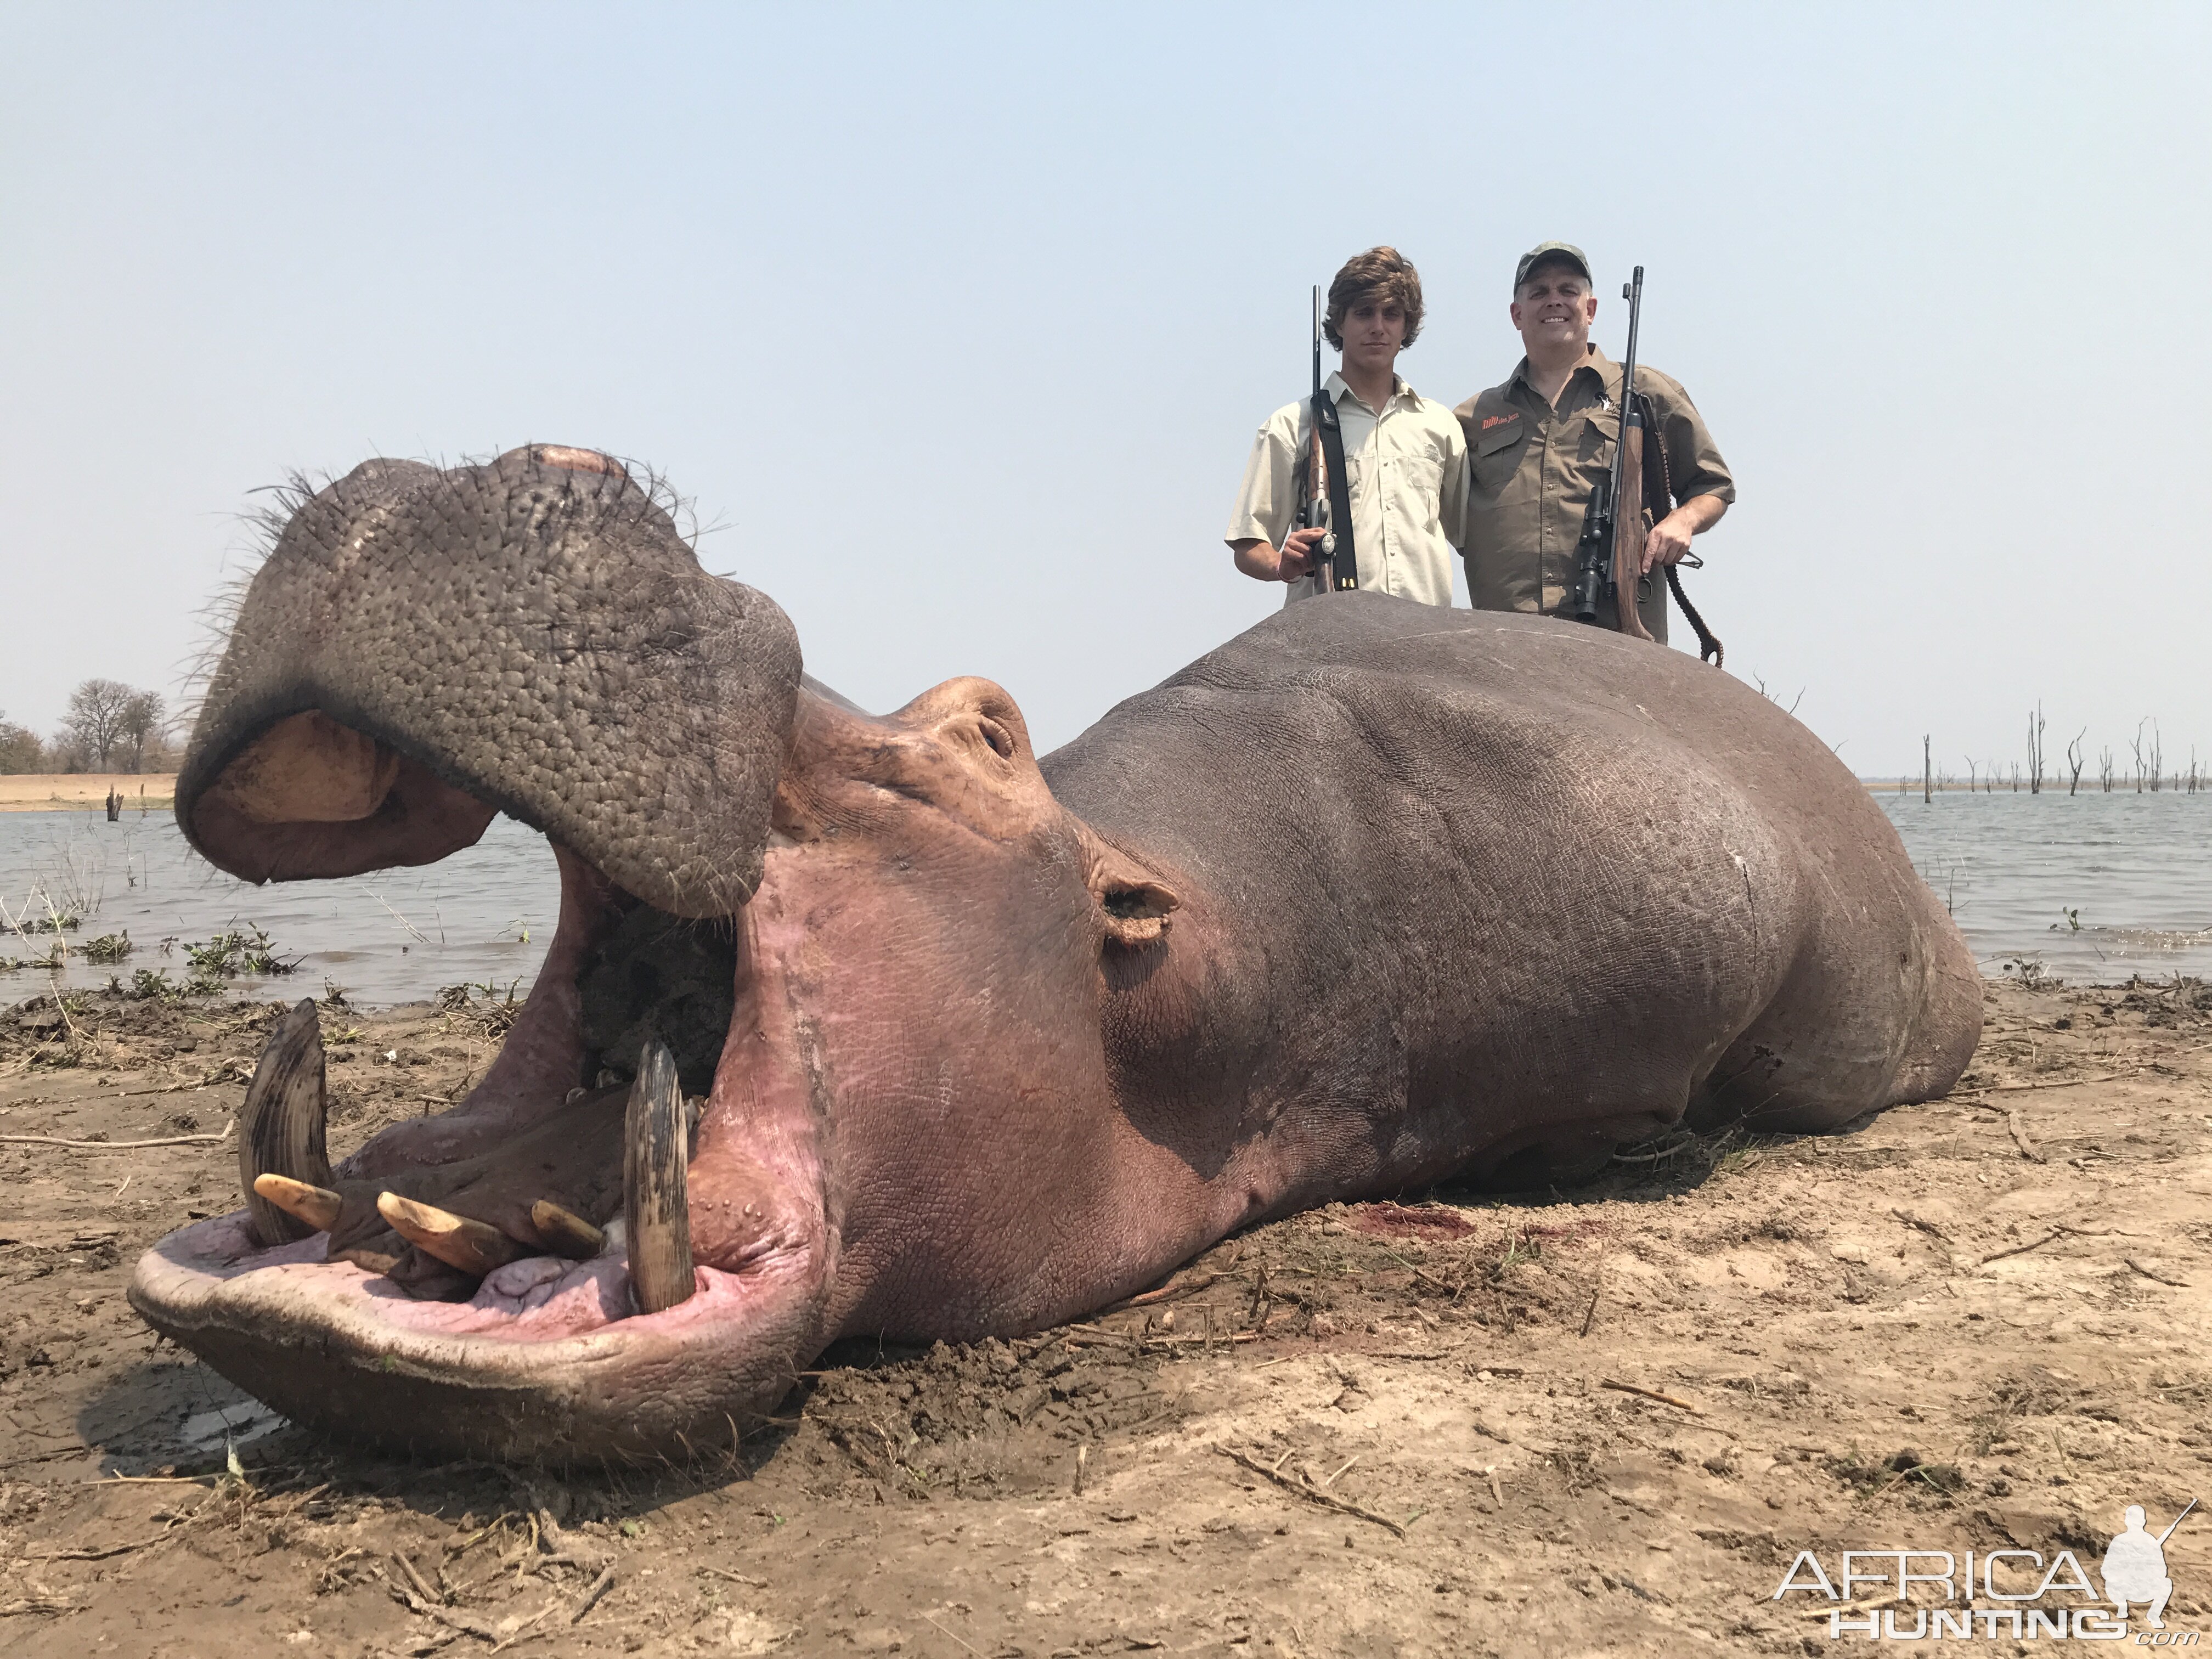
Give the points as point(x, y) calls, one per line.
point(1000, 739)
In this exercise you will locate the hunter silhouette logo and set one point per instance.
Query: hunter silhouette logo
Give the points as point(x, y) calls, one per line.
point(2134, 1567)
point(1913, 1595)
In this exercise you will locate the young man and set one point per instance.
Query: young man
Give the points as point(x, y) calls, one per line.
point(1537, 443)
point(1404, 457)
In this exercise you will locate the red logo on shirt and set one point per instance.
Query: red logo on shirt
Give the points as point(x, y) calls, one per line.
point(1497, 419)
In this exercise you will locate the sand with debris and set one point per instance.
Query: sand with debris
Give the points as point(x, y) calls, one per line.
point(1603, 1420)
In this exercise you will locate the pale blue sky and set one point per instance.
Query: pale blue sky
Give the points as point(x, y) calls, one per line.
point(960, 321)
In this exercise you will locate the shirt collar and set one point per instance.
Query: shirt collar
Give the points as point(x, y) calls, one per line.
point(1400, 391)
point(1594, 361)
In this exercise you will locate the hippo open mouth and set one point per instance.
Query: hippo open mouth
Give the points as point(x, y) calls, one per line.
point(859, 1025)
point(622, 1234)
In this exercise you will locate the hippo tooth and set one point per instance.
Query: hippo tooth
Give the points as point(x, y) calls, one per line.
point(566, 1233)
point(280, 1127)
point(656, 1208)
point(474, 1246)
point(318, 1207)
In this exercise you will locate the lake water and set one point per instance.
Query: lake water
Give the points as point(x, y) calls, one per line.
point(2095, 886)
point(483, 916)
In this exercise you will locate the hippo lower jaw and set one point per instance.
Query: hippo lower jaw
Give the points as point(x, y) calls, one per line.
point(543, 1358)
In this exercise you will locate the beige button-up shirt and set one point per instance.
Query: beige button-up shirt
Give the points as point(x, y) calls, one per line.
point(1533, 467)
point(1406, 469)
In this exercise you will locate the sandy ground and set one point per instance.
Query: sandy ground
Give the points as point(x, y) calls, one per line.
point(1377, 1429)
point(60, 792)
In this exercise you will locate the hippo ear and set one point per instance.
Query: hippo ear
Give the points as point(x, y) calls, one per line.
point(1132, 902)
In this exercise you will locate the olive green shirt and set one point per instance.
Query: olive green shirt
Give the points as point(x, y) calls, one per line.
point(1533, 467)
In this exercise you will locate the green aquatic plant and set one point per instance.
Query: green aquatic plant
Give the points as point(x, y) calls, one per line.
point(109, 947)
point(251, 955)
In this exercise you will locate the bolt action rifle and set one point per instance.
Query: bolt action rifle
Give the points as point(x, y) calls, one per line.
point(1609, 556)
point(1327, 505)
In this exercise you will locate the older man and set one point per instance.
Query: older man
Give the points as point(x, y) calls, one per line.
point(1538, 443)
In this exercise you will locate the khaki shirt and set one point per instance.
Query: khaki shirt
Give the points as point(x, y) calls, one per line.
point(1534, 468)
point(1407, 473)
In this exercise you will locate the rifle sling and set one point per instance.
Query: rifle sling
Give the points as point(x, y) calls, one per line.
point(1329, 432)
point(1659, 496)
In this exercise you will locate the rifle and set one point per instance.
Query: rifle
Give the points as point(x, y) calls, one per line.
point(1609, 555)
point(1326, 491)
point(2178, 1520)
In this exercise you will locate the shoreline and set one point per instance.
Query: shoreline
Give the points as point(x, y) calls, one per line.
point(86, 791)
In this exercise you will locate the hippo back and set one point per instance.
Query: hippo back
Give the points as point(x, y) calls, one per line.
point(1592, 873)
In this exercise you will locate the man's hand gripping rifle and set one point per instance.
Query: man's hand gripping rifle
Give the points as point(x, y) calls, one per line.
point(1609, 557)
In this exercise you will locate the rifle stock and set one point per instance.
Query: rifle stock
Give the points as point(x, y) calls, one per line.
point(1628, 532)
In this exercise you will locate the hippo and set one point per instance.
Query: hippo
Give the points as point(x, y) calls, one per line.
point(888, 1027)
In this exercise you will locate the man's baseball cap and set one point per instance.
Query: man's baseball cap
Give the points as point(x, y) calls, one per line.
point(1557, 251)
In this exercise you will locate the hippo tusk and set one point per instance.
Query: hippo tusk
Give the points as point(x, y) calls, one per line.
point(656, 1207)
point(565, 1232)
point(316, 1206)
point(474, 1246)
point(280, 1127)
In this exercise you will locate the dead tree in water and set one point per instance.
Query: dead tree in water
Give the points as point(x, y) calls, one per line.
point(2074, 753)
point(2035, 752)
point(1927, 769)
point(2016, 777)
point(2148, 761)
point(1970, 774)
point(2105, 769)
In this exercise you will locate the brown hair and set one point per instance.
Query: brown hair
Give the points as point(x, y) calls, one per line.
point(1379, 274)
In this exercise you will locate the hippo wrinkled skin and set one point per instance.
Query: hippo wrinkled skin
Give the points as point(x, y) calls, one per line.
point(886, 1027)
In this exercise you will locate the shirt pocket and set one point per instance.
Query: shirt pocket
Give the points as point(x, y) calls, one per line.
point(1419, 472)
point(1594, 443)
point(1498, 455)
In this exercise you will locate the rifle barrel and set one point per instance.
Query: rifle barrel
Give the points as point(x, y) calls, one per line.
point(2178, 1520)
point(1632, 291)
point(1317, 337)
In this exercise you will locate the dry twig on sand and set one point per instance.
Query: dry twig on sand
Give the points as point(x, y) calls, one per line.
point(1311, 1494)
point(114, 1146)
point(600, 1586)
point(2148, 1272)
point(1649, 1394)
point(1967, 1095)
point(2038, 1244)
point(101, 1554)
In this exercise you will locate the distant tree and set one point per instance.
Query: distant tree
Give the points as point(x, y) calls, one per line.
point(93, 726)
point(142, 722)
point(20, 747)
